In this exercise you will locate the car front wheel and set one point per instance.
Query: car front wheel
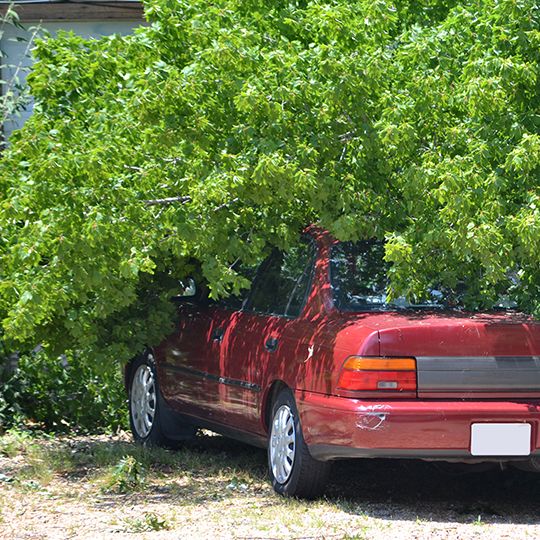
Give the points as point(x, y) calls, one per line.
point(143, 402)
point(152, 422)
point(293, 471)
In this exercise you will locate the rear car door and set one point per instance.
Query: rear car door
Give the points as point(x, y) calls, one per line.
point(264, 335)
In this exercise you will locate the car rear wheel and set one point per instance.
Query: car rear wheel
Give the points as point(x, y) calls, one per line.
point(152, 423)
point(531, 465)
point(293, 471)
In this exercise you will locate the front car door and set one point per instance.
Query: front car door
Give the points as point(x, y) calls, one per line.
point(182, 360)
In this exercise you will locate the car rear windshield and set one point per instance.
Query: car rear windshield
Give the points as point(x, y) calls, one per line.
point(359, 276)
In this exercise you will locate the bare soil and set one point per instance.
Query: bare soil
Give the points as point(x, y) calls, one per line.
point(217, 488)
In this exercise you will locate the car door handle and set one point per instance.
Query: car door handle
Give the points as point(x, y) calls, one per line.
point(217, 334)
point(271, 344)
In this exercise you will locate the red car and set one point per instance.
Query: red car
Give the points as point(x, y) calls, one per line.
point(316, 365)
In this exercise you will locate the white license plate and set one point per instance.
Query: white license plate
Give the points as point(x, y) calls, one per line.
point(500, 439)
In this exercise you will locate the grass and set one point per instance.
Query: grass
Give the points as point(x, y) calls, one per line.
point(38, 466)
point(121, 467)
point(218, 487)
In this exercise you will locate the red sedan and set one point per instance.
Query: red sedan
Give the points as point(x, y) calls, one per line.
point(316, 365)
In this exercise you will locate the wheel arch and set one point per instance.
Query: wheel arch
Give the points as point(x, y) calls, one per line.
point(128, 366)
point(270, 394)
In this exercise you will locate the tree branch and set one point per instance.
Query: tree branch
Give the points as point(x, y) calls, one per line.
point(225, 205)
point(168, 200)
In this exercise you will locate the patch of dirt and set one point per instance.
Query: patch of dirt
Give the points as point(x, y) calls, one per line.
point(216, 488)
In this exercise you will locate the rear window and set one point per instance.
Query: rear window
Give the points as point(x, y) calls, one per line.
point(359, 276)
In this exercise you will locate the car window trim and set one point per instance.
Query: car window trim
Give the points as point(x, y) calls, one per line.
point(310, 267)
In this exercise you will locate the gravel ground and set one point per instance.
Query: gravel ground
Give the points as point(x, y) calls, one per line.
point(217, 488)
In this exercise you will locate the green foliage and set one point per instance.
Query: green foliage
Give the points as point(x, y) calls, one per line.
point(222, 129)
point(128, 475)
point(150, 521)
point(16, 442)
point(63, 393)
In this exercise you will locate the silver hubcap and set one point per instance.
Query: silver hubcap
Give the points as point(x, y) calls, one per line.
point(143, 400)
point(282, 444)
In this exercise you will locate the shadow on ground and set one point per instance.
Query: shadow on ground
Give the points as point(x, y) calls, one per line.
point(416, 489)
point(213, 468)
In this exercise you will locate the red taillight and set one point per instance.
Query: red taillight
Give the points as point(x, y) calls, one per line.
point(372, 374)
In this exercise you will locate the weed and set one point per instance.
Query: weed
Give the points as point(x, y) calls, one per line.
point(128, 475)
point(15, 442)
point(62, 394)
point(478, 521)
point(30, 485)
point(149, 522)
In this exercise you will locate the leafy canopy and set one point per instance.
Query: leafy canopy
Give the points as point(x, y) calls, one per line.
point(223, 128)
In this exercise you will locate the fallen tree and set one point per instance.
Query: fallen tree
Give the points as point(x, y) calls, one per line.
point(221, 130)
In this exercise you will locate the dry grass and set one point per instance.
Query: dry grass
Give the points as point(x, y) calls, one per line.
point(95, 487)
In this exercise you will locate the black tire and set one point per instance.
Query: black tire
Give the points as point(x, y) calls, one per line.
point(532, 465)
point(307, 477)
point(154, 424)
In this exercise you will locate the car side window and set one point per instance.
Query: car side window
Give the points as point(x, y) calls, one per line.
point(282, 284)
point(236, 302)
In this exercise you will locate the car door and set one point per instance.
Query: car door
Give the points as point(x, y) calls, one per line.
point(189, 359)
point(261, 336)
point(183, 357)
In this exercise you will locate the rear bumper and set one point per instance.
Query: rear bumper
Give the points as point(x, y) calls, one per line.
point(336, 427)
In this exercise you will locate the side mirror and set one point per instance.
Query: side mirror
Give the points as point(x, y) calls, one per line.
point(188, 290)
point(189, 287)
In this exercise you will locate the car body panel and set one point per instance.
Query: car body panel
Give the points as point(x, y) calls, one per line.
point(435, 428)
point(245, 359)
point(181, 361)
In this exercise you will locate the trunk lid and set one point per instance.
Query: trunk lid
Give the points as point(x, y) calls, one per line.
point(488, 356)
